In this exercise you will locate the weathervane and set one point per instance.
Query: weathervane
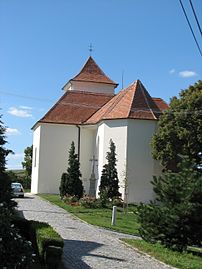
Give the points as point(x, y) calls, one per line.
point(90, 48)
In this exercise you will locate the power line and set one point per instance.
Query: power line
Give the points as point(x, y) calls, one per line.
point(192, 7)
point(197, 44)
point(65, 103)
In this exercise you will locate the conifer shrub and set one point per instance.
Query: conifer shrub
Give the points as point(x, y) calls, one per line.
point(109, 185)
point(71, 183)
point(174, 218)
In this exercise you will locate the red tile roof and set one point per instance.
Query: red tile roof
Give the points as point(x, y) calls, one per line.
point(161, 104)
point(91, 72)
point(75, 107)
point(133, 102)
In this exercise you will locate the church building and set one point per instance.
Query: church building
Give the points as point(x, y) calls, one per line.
point(90, 114)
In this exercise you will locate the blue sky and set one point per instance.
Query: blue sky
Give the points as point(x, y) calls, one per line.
point(44, 43)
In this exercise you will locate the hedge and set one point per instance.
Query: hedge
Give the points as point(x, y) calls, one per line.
point(47, 243)
point(47, 238)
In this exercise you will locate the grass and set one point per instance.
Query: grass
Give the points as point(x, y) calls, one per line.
point(180, 260)
point(27, 190)
point(125, 223)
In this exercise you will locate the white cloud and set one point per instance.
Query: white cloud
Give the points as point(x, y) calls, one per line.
point(172, 71)
point(26, 107)
point(187, 74)
point(15, 156)
point(23, 113)
point(12, 131)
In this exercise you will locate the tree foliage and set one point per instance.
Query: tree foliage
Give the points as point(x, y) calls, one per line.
point(27, 164)
point(109, 185)
point(5, 183)
point(71, 183)
point(175, 217)
point(15, 251)
point(180, 128)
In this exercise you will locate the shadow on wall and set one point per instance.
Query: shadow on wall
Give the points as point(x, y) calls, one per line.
point(75, 250)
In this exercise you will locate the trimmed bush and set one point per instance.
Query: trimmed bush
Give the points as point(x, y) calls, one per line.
point(47, 237)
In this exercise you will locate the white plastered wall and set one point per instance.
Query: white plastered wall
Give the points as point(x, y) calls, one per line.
point(89, 87)
point(53, 143)
point(87, 146)
point(117, 131)
point(35, 158)
point(140, 165)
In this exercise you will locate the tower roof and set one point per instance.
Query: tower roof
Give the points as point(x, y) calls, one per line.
point(134, 102)
point(91, 72)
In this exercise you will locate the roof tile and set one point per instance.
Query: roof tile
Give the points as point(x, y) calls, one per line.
point(91, 72)
point(134, 102)
point(75, 107)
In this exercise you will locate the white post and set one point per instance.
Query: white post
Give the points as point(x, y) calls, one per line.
point(114, 215)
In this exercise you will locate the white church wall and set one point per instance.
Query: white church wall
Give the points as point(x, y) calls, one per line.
point(87, 146)
point(54, 145)
point(117, 131)
point(35, 158)
point(140, 165)
point(99, 154)
point(90, 87)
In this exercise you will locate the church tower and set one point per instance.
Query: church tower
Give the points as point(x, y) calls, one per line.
point(91, 79)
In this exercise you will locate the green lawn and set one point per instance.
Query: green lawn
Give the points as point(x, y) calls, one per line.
point(180, 260)
point(126, 223)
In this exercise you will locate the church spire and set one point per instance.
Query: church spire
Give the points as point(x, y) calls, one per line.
point(91, 72)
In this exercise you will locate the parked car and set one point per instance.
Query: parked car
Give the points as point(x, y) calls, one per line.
point(17, 189)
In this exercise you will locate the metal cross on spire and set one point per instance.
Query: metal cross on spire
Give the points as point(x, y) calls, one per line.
point(90, 48)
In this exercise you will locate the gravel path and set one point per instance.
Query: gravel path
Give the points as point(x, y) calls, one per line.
point(86, 246)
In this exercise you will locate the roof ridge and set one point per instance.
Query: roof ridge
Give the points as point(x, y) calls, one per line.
point(119, 98)
point(134, 85)
point(143, 92)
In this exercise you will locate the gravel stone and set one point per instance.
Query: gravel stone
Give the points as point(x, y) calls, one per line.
point(86, 246)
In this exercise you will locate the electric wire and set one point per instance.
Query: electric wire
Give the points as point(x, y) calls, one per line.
point(185, 14)
point(84, 105)
point(197, 21)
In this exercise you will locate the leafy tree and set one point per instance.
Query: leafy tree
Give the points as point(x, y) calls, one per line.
point(175, 217)
point(27, 164)
point(14, 250)
point(71, 183)
point(180, 128)
point(109, 184)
